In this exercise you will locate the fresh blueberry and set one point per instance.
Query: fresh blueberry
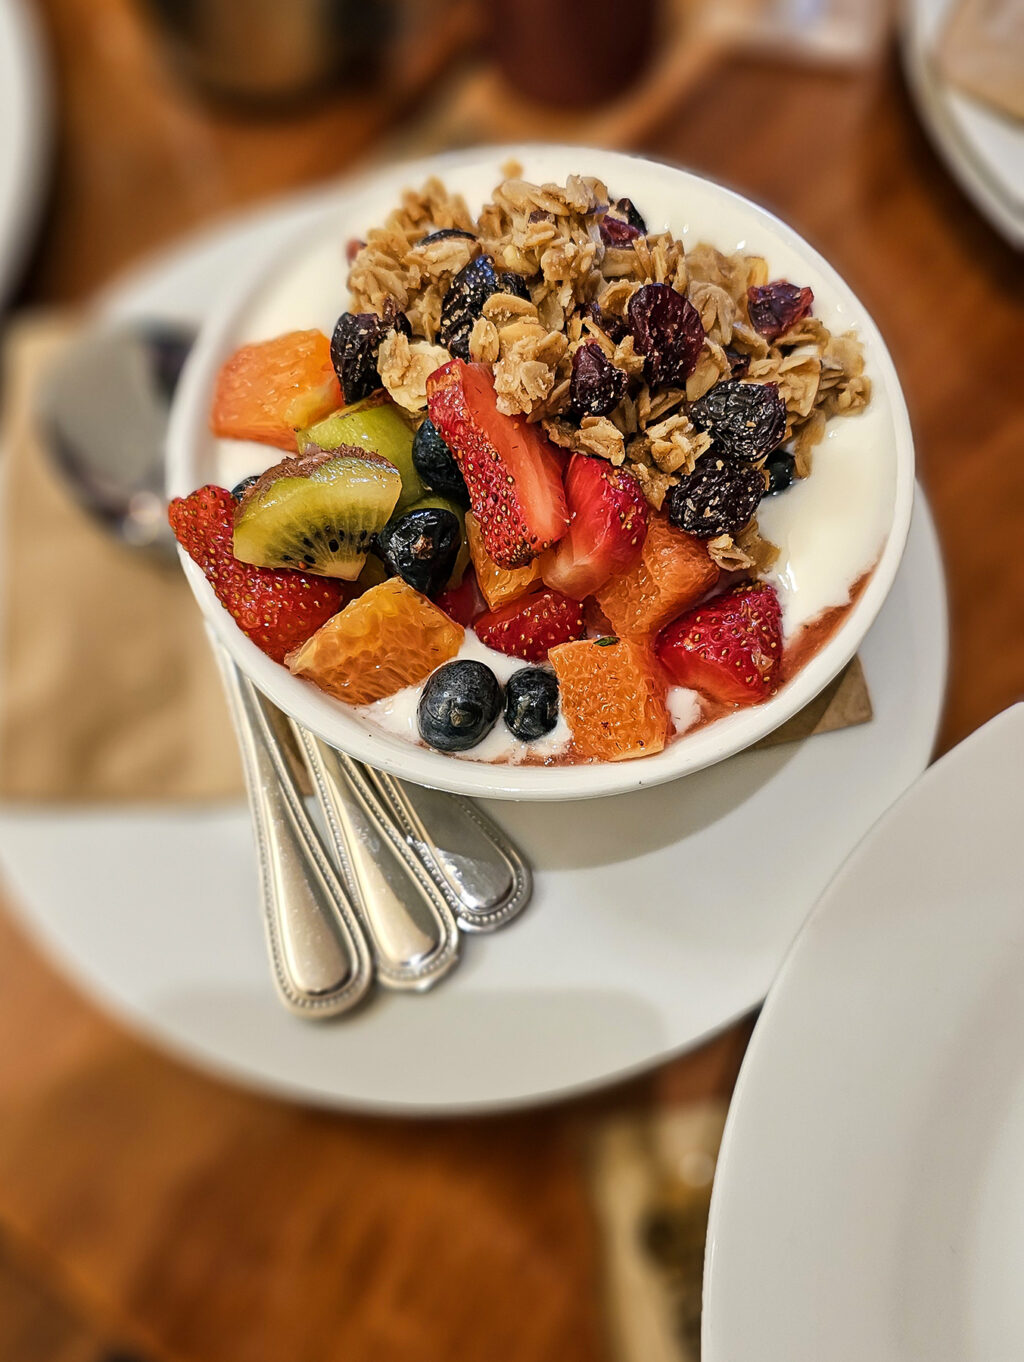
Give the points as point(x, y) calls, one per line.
point(435, 463)
point(459, 705)
point(780, 471)
point(531, 703)
point(421, 547)
point(240, 488)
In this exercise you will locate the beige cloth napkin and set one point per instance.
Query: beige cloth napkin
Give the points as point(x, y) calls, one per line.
point(108, 690)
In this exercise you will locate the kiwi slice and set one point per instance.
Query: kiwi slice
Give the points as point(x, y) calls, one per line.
point(377, 424)
point(317, 513)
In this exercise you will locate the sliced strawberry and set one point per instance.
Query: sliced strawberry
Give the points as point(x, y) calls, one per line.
point(510, 468)
point(463, 603)
point(607, 528)
point(276, 608)
point(527, 628)
point(730, 647)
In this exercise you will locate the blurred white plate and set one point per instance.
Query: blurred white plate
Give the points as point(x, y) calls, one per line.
point(659, 916)
point(869, 1199)
point(24, 128)
point(983, 149)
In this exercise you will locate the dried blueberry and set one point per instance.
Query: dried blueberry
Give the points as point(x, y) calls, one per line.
point(354, 345)
point(596, 386)
point(240, 488)
point(435, 463)
point(459, 705)
point(627, 209)
point(780, 469)
point(745, 420)
point(513, 283)
point(464, 303)
point(667, 331)
point(777, 306)
point(739, 363)
point(716, 498)
point(613, 327)
point(421, 547)
point(443, 233)
point(531, 703)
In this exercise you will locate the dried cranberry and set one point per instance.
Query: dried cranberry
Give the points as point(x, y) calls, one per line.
point(776, 307)
point(745, 420)
point(464, 301)
point(354, 345)
point(443, 233)
point(667, 331)
point(352, 248)
point(739, 363)
point(596, 386)
point(615, 232)
point(716, 498)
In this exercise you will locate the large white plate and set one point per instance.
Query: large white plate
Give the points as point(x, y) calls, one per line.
point(659, 916)
point(24, 125)
point(983, 149)
point(869, 1200)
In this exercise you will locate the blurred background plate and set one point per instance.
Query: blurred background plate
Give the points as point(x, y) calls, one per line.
point(636, 946)
point(983, 149)
point(24, 129)
point(869, 1199)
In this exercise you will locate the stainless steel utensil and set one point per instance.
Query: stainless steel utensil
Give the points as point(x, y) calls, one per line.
point(321, 962)
point(409, 923)
point(482, 875)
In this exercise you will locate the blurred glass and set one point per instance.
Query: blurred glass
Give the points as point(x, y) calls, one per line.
point(270, 53)
point(564, 52)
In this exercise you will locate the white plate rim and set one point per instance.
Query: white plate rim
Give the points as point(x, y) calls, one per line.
point(930, 95)
point(800, 954)
point(25, 107)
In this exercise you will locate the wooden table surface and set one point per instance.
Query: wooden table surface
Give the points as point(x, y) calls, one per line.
point(147, 1207)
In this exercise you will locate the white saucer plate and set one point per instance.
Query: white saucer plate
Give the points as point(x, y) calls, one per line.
point(869, 1199)
point(983, 148)
point(659, 916)
point(24, 132)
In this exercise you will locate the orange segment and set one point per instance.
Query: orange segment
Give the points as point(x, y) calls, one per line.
point(268, 391)
point(612, 696)
point(673, 573)
point(497, 584)
point(389, 638)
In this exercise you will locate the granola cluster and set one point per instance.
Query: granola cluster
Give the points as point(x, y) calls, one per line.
point(575, 258)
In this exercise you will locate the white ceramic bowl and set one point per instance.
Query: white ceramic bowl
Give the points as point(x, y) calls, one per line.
point(694, 209)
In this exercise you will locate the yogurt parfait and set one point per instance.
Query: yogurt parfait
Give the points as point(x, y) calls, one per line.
point(559, 486)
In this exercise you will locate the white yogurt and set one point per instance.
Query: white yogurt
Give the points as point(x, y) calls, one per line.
point(830, 528)
point(397, 714)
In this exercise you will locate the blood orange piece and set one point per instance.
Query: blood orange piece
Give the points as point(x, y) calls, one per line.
point(613, 697)
point(390, 638)
point(268, 391)
point(497, 584)
point(673, 572)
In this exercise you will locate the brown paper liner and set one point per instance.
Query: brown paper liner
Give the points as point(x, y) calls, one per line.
point(109, 691)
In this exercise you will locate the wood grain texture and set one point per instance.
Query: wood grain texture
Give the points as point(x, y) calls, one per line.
point(203, 1223)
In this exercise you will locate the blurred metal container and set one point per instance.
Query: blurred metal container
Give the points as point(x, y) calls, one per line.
point(272, 53)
